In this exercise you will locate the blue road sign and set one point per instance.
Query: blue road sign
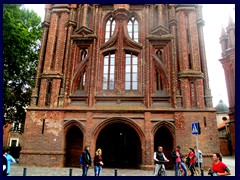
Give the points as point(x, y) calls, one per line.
point(195, 128)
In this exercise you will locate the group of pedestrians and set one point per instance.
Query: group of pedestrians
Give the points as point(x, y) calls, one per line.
point(193, 161)
point(86, 161)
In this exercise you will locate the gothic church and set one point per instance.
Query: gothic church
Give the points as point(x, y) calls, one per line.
point(121, 77)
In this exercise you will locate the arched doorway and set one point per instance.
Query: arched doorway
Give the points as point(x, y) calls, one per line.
point(163, 137)
point(121, 146)
point(74, 146)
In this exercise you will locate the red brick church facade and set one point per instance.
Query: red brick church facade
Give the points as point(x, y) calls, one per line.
point(227, 60)
point(124, 78)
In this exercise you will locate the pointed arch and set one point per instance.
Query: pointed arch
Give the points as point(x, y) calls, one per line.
point(169, 125)
point(124, 120)
point(78, 75)
point(109, 27)
point(162, 70)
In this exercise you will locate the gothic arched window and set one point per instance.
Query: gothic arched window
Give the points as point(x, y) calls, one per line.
point(132, 27)
point(110, 26)
point(131, 72)
point(159, 54)
point(108, 72)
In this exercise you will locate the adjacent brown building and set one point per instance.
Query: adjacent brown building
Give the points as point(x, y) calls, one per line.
point(124, 78)
point(227, 41)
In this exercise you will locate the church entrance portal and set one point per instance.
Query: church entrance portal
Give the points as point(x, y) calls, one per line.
point(74, 146)
point(121, 146)
point(163, 137)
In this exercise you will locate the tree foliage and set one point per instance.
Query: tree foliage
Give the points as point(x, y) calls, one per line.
point(21, 43)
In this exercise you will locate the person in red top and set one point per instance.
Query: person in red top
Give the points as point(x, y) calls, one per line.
point(192, 157)
point(218, 167)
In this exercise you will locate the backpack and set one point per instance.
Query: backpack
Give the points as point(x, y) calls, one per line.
point(81, 159)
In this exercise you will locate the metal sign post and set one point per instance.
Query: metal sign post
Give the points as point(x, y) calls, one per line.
point(199, 169)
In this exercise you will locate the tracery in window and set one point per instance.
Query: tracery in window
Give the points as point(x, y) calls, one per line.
point(110, 26)
point(132, 27)
point(158, 81)
point(108, 72)
point(131, 72)
point(81, 86)
point(83, 54)
point(159, 54)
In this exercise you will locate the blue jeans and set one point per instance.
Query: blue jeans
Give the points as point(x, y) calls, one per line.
point(177, 167)
point(97, 170)
point(84, 170)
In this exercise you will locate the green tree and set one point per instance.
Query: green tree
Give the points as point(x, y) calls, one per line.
point(21, 44)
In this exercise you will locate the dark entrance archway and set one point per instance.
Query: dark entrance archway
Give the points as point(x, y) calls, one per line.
point(163, 137)
point(121, 146)
point(74, 146)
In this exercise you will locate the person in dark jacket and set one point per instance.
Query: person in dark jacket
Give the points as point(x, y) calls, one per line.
point(87, 162)
point(98, 162)
point(4, 166)
point(177, 156)
point(159, 159)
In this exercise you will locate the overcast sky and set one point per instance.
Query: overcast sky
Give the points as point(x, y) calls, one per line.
point(215, 16)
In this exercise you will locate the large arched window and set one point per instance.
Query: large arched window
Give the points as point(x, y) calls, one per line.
point(133, 28)
point(131, 72)
point(108, 72)
point(110, 26)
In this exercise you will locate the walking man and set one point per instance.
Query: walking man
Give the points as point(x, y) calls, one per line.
point(176, 156)
point(86, 158)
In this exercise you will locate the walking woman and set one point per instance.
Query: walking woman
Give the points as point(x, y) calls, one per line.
point(98, 162)
point(192, 157)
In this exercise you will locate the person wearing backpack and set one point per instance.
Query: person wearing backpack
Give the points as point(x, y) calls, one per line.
point(85, 160)
point(199, 160)
point(7, 160)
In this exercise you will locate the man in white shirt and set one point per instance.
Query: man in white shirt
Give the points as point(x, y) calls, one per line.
point(159, 159)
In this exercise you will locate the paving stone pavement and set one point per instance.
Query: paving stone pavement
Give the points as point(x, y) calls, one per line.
point(17, 170)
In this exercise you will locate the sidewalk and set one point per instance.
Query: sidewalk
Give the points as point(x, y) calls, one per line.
point(17, 170)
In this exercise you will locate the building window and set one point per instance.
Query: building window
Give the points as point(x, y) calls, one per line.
point(82, 82)
point(108, 72)
point(133, 28)
point(14, 142)
point(48, 95)
point(83, 54)
point(110, 26)
point(159, 54)
point(16, 127)
point(158, 81)
point(131, 70)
